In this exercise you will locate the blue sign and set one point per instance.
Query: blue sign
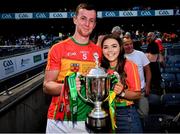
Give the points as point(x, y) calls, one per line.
point(54, 15)
point(100, 14)
point(163, 12)
point(7, 16)
point(23, 15)
point(128, 13)
point(146, 13)
point(110, 13)
point(177, 12)
point(70, 14)
point(40, 15)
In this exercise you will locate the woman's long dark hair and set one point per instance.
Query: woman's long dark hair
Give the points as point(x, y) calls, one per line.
point(121, 59)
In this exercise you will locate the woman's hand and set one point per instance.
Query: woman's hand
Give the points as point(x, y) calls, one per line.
point(118, 88)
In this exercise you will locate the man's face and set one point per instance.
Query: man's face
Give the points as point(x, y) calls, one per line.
point(116, 33)
point(128, 47)
point(85, 22)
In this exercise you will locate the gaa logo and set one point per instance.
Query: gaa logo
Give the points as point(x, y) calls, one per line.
point(6, 16)
point(40, 15)
point(110, 14)
point(127, 13)
point(7, 63)
point(57, 15)
point(146, 13)
point(164, 12)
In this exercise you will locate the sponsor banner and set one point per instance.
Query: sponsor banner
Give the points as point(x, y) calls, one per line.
point(128, 13)
point(23, 15)
point(24, 62)
point(40, 15)
point(100, 14)
point(177, 12)
point(146, 13)
point(40, 57)
point(8, 67)
point(5, 16)
point(37, 58)
point(164, 12)
point(53, 15)
point(110, 14)
point(45, 55)
point(14, 65)
point(70, 14)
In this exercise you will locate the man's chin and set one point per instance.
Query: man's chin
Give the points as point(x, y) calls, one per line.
point(86, 35)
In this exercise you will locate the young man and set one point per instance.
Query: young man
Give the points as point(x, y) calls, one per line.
point(75, 54)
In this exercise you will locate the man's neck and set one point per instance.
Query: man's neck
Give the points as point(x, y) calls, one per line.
point(130, 52)
point(80, 39)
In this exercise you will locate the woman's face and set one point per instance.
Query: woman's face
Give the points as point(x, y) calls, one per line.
point(111, 50)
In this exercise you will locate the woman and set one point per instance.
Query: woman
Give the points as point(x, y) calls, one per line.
point(128, 87)
point(156, 63)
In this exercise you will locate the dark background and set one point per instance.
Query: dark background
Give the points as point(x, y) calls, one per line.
point(55, 5)
point(164, 24)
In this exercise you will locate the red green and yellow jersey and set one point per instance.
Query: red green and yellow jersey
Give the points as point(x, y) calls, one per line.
point(67, 56)
point(132, 81)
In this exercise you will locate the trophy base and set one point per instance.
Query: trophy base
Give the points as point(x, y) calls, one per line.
point(98, 124)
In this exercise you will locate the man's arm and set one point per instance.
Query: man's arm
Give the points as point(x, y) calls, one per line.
point(147, 72)
point(50, 86)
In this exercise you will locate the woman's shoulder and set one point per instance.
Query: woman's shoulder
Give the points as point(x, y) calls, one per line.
point(130, 63)
point(130, 67)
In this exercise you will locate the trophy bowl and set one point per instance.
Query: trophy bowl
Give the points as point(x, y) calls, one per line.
point(97, 91)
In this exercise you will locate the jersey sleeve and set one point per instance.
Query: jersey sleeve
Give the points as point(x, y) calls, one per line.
point(54, 56)
point(133, 79)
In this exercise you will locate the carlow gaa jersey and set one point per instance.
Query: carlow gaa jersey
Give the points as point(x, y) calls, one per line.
point(132, 81)
point(68, 56)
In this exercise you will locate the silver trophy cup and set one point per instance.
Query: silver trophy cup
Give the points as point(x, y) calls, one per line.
point(97, 91)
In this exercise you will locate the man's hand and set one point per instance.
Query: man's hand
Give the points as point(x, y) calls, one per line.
point(78, 84)
point(147, 91)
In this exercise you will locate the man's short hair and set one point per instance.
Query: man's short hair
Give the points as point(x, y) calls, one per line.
point(151, 35)
point(85, 6)
point(127, 40)
point(116, 29)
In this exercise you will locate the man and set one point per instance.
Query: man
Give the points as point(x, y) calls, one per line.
point(151, 38)
point(74, 54)
point(117, 31)
point(142, 62)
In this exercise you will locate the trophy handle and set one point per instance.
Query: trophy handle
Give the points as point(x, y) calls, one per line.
point(85, 99)
point(106, 98)
point(79, 93)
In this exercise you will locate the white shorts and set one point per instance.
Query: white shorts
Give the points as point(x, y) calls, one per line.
point(54, 126)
